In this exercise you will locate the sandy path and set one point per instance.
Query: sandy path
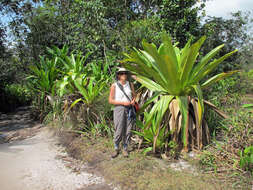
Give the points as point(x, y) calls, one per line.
point(36, 164)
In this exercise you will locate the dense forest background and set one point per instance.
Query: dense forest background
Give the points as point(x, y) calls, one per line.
point(107, 28)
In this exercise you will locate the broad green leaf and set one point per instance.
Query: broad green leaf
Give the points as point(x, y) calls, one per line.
point(183, 106)
point(90, 86)
point(152, 114)
point(205, 60)
point(150, 100)
point(150, 84)
point(169, 66)
point(75, 102)
point(139, 133)
point(198, 91)
point(210, 67)
point(184, 56)
point(194, 52)
point(82, 90)
point(139, 123)
point(163, 107)
point(62, 85)
point(170, 50)
point(146, 150)
point(164, 64)
point(216, 78)
point(143, 70)
point(155, 71)
point(173, 76)
point(247, 105)
point(158, 64)
point(178, 54)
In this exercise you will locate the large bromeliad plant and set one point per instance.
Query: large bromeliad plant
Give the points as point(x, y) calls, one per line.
point(176, 76)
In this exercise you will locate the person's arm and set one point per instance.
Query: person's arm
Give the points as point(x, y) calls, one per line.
point(112, 98)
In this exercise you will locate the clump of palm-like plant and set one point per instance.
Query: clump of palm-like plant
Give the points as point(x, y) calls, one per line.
point(41, 82)
point(175, 76)
point(80, 84)
point(151, 134)
point(65, 81)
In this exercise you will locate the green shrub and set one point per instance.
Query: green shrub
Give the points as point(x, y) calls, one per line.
point(233, 96)
point(18, 93)
point(219, 95)
point(250, 74)
point(61, 82)
point(13, 96)
point(246, 159)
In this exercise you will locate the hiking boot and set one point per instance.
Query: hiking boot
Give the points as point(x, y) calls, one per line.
point(115, 153)
point(125, 153)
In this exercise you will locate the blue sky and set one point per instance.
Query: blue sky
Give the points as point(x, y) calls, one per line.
point(222, 8)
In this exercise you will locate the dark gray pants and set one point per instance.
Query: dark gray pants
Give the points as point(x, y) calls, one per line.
point(122, 125)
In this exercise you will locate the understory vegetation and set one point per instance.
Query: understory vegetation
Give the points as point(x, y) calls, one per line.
point(194, 85)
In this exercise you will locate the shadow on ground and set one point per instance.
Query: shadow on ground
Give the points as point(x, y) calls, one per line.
point(17, 125)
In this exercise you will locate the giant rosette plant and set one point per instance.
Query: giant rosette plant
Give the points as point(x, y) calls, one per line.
point(176, 77)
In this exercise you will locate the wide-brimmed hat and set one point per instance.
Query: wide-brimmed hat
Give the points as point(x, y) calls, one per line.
point(122, 70)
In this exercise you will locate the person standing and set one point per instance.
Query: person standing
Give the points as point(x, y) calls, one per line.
point(122, 95)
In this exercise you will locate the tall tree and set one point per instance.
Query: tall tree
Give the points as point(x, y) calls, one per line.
point(181, 18)
point(96, 25)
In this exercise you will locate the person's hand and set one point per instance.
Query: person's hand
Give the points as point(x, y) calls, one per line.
point(126, 103)
point(132, 102)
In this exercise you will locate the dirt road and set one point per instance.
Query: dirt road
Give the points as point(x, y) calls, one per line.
point(31, 158)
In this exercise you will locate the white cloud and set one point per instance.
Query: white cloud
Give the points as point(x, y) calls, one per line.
point(222, 8)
